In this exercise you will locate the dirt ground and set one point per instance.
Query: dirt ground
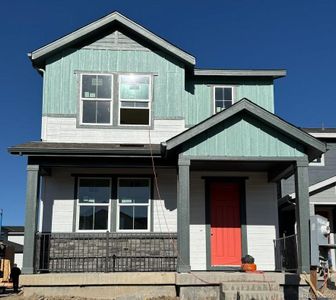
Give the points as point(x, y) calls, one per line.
point(20, 296)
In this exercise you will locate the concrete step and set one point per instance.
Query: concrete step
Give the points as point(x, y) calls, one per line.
point(250, 286)
point(252, 295)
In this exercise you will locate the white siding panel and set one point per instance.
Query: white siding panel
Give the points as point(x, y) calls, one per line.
point(56, 129)
point(197, 223)
point(164, 209)
point(262, 220)
point(18, 258)
point(16, 239)
point(58, 202)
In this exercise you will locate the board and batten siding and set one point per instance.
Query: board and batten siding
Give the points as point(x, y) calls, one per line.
point(174, 94)
point(261, 218)
point(242, 135)
point(58, 203)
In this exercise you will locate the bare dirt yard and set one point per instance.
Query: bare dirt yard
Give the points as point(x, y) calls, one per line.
point(20, 296)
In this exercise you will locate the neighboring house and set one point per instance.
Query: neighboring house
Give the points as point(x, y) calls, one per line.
point(322, 187)
point(14, 235)
point(147, 163)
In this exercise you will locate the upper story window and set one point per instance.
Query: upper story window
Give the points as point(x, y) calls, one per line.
point(131, 98)
point(96, 99)
point(318, 162)
point(134, 99)
point(223, 97)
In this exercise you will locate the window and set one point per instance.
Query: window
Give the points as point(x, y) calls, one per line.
point(133, 204)
point(134, 99)
point(223, 97)
point(96, 99)
point(318, 161)
point(93, 203)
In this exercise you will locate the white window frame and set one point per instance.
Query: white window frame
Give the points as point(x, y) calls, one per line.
point(81, 99)
point(318, 164)
point(149, 101)
point(78, 204)
point(149, 204)
point(214, 95)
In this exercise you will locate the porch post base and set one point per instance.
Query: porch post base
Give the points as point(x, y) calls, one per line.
point(183, 268)
point(303, 269)
point(27, 270)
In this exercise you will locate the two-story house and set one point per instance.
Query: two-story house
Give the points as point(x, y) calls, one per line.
point(322, 188)
point(148, 163)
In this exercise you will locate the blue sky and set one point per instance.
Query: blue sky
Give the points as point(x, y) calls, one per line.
point(299, 36)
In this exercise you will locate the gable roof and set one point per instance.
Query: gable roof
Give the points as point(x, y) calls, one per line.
point(314, 147)
point(39, 55)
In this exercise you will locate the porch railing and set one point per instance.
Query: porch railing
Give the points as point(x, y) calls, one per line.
point(286, 253)
point(105, 252)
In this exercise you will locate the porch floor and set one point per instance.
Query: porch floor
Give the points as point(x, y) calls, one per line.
point(140, 285)
point(156, 278)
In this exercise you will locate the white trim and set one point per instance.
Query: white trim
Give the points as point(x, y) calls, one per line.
point(81, 99)
point(214, 95)
point(149, 101)
point(318, 164)
point(323, 203)
point(318, 186)
point(93, 204)
point(323, 134)
point(149, 204)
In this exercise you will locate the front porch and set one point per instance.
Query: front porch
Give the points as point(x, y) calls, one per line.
point(243, 144)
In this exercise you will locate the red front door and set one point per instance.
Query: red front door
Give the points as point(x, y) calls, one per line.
point(226, 247)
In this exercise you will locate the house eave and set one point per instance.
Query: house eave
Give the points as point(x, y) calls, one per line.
point(275, 74)
point(86, 150)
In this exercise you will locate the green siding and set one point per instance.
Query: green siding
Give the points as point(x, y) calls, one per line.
point(260, 93)
point(243, 135)
point(171, 97)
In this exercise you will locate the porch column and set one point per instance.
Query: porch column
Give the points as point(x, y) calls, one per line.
point(30, 218)
point(183, 217)
point(302, 214)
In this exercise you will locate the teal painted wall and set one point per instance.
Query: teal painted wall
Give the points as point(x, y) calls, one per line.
point(243, 135)
point(172, 97)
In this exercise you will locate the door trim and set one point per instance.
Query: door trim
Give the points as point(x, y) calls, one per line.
point(241, 182)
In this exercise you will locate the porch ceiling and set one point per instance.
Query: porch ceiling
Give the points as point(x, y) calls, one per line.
point(275, 169)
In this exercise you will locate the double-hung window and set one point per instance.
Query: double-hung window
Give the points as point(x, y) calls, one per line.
point(94, 198)
point(96, 98)
point(134, 99)
point(133, 204)
point(223, 97)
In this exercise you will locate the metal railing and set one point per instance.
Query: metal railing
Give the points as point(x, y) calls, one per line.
point(105, 252)
point(286, 253)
